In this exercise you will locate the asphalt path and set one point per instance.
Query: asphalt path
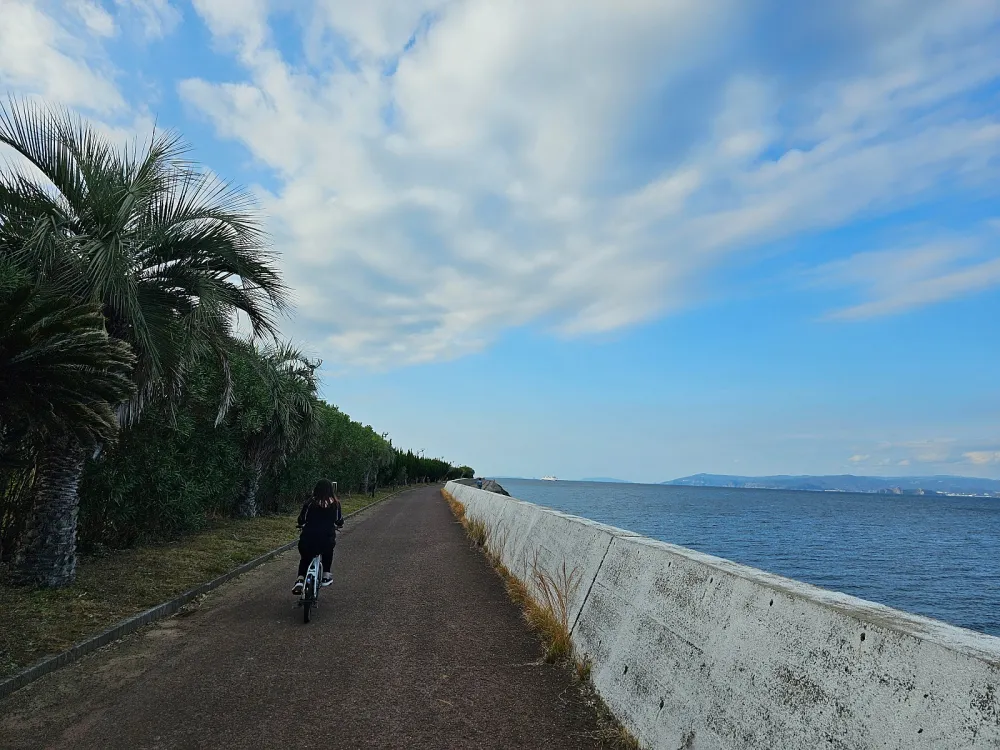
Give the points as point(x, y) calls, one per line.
point(415, 645)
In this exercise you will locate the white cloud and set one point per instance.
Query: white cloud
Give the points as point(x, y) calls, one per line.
point(96, 18)
point(930, 451)
point(901, 279)
point(982, 458)
point(41, 56)
point(244, 21)
point(157, 17)
point(586, 163)
point(374, 30)
point(934, 454)
point(447, 169)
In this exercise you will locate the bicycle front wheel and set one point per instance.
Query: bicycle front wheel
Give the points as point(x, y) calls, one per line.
point(306, 607)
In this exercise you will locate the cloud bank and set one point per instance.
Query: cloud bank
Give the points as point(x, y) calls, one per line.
point(441, 171)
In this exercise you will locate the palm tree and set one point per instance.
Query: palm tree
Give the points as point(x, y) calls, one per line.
point(282, 418)
point(60, 375)
point(168, 252)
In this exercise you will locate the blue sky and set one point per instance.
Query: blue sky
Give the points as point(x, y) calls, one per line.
point(640, 239)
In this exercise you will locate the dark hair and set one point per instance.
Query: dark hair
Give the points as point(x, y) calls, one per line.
point(323, 490)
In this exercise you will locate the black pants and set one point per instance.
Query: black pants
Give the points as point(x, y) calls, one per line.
point(309, 548)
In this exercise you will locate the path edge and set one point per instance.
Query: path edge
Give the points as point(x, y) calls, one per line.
point(50, 664)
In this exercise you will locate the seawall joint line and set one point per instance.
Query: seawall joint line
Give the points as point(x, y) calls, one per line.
point(591, 586)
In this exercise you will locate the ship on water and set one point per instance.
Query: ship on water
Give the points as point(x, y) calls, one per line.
point(548, 479)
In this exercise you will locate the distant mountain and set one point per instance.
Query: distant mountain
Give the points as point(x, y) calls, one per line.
point(606, 479)
point(940, 485)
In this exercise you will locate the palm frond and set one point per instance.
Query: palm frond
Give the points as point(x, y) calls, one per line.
point(61, 374)
point(168, 252)
point(36, 132)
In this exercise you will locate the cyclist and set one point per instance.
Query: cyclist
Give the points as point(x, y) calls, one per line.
point(319, 520)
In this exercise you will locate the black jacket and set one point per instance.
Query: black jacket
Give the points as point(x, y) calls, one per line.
point(320, 524)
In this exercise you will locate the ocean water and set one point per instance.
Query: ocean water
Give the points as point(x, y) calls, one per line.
point(935, 556)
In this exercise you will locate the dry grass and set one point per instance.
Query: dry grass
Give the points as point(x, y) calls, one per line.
point(611, 733)
point(547, 614)
point(516, 590)
point(35, 623)
point(477, 532)
point(583, 669)
point(547, 610)
point(622, 739)
point(457, 507)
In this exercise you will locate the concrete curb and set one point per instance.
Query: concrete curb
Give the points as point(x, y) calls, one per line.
point(131, 624)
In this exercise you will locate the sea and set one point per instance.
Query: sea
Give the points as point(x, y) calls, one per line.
point(932, 555)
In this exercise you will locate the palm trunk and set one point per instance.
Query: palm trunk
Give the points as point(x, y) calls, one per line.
point(17, 498)
point(47, 556)
point(248, 502)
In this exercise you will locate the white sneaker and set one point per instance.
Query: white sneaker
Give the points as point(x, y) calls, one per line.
point(327, 581)
point(297, 588)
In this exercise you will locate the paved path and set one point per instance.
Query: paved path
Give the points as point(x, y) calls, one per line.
point(416, 645)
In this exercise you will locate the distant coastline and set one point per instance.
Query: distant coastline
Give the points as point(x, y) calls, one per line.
point(941, 485)
point(945, 485)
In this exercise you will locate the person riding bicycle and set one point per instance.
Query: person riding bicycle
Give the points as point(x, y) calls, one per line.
point(319, 520)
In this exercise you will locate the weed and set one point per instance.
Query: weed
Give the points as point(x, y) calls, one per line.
point(547, 613)
point(622, 739)
point(497, 547)
point(477, 531)
point(583, 669)
point(457, 507)
point(516, 590)
point(475, 528)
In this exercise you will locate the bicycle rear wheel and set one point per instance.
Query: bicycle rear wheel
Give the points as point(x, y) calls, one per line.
point(308, 594)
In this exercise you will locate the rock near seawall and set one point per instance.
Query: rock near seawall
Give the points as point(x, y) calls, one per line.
point(491, 485)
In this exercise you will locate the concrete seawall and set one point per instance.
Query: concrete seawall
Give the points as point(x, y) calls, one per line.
point(693, 652)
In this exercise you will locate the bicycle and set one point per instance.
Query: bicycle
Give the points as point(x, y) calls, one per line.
point(309, 597)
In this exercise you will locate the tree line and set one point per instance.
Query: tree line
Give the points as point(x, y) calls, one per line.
point(131, 407)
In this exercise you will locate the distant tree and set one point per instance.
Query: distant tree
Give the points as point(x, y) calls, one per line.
point(277, 412)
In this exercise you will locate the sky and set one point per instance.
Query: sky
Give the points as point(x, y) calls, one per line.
point(639, 239)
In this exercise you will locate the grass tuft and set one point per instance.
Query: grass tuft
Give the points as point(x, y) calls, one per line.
point(457, 507)
point(583, 669)
point(547, 614)
point(477, 532)
point(622, 739)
